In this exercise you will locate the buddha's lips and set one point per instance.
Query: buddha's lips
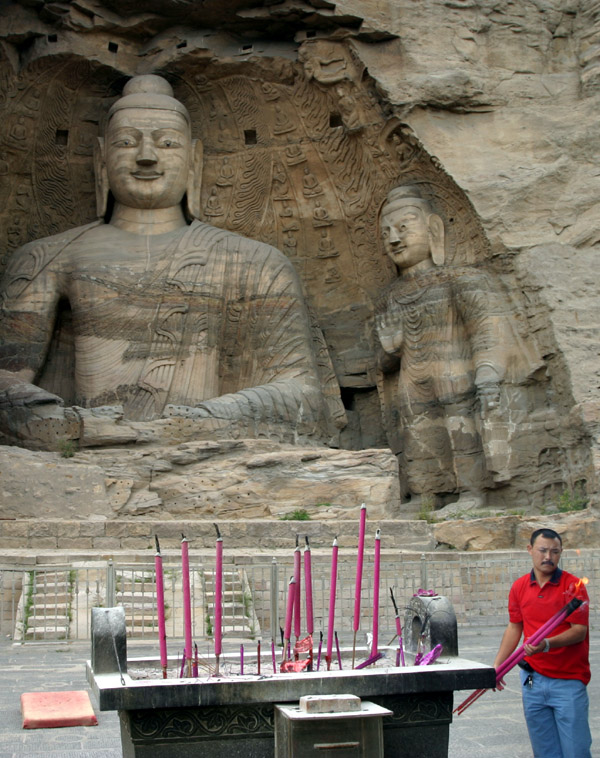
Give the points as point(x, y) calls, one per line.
point(147, 174)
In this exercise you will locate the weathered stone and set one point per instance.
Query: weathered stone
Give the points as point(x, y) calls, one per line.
point(478, 534)
point(226, 482)
point(578, 530)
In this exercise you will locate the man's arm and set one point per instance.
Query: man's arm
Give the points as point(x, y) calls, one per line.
point(577, 633)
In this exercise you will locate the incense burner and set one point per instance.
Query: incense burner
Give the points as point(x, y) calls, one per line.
point(224, 717)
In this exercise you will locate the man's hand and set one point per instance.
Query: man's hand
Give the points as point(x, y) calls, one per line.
point(500, 685)
point(535, 649)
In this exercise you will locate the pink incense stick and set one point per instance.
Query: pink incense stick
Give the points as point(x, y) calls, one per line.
point(187, 604)
point(376, 574)
point(287, 633)
point(319, 650)
point(258, 657)
point(310, 624)
point(218, 599)
point(242, 660)
point(359, 568)
point(297, 591)
point(332, 589)
point(160, 608)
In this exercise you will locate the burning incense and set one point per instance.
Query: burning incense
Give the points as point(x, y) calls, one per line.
point(376, 574)
point(291, 598)
point(242, 660)
point(310, 624)
point(319, 650)
point(274, 601)
point(195, 667)
point(519, 654)
point(160, 608)
point(218, 599)
point(359, 573)
point(297, 591)
point(332, 588)
point(187, 604)
point(258, 656)
point(400, 651)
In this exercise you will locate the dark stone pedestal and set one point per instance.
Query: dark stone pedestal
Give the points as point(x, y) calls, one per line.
point(234, 716)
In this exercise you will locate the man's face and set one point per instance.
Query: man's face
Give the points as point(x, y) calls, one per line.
point(545, 554)
point(405, 236)
point(148, 155)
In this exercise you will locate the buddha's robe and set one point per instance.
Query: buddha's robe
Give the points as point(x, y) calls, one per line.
point(196, 318)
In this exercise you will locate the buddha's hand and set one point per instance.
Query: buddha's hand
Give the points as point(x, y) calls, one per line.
point(389, 330)
point(487, 382)
point(32, 416)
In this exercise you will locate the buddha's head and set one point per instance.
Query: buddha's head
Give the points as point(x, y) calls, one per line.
point(147, 158)
point(411, 232)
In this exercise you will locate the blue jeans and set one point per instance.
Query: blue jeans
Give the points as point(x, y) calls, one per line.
point(556, 712)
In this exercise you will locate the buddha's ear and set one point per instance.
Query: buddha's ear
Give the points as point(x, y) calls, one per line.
point(194, 183)
point(101, 177)
point(437, 240)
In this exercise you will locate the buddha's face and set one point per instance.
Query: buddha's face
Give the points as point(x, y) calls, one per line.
point(148, 154)
point(405, 236)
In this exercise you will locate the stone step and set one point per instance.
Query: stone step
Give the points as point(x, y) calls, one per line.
point(46, 599)
point(48, 633)
point(51, 587)
point(136, 596)
point(40, 621)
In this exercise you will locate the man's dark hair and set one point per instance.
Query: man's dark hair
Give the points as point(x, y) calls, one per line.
point(548, 534)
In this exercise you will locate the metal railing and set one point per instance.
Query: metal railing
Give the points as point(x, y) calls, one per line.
point(53, 603)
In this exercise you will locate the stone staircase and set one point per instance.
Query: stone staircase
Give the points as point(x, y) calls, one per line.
point(136, 593)
point(45, 607)
point(239, 618)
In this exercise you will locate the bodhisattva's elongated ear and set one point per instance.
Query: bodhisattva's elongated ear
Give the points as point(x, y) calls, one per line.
point(101, 177)
point(437, 241)
point(194, 184)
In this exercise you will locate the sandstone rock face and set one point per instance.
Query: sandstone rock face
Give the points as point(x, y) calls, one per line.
point(236, 479)
point(577, 530)
point(309, 116)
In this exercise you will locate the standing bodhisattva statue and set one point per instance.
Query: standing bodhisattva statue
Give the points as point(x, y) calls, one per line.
point(168, 318)
point(446, 348)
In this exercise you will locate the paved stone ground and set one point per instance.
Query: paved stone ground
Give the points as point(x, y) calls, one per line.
point(491, 728)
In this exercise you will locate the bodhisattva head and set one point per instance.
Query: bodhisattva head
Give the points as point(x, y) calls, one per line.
point(147, 158)
point(412, 234)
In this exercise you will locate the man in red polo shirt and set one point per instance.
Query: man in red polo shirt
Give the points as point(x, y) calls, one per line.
point(557, 670)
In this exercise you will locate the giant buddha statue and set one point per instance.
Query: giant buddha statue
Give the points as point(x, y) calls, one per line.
point(447, 347)
point(168, 318)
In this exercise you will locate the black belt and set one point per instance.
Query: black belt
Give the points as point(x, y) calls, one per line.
point(526, 667)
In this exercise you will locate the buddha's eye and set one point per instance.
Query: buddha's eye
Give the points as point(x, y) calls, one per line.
point(168, 142)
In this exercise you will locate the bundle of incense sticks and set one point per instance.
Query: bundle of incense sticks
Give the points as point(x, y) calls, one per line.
point(519, 653)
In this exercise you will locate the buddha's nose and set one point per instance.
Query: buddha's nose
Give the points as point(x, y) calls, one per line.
point(146, 154)
point(395, 235)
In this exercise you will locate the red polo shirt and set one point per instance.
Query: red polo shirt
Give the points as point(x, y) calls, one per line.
point(532, 605)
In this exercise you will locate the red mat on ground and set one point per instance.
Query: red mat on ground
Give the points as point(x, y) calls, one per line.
point(49, 709)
